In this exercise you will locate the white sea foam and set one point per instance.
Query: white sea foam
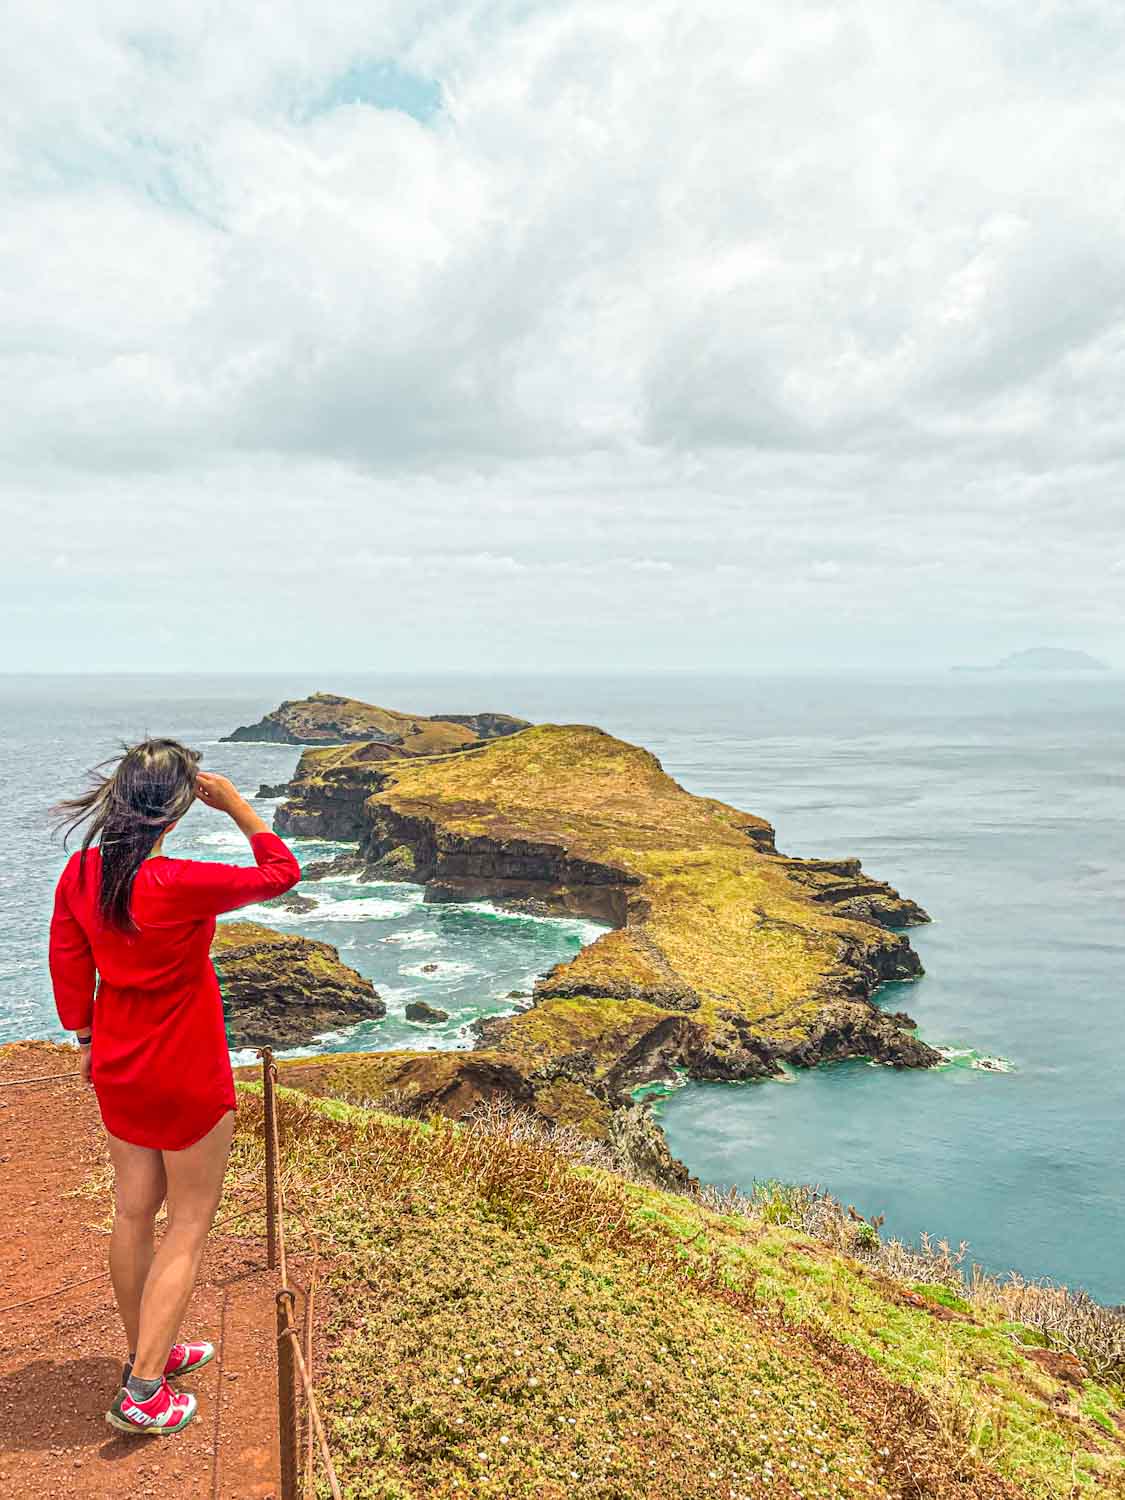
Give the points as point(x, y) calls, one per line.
point(993, 1064)
point(396, 997)
point(366, 909)
point(967, 1057)
point(224, 838)
point(442, 968)
point(415, 938)
point(582, 928)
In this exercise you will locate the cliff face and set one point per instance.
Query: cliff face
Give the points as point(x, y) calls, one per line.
point(328, 719)
point(726, 959)
point(281, 990)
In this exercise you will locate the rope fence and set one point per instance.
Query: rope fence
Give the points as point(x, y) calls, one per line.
point(11, 1083)
point(294, 1363)
point(294, 1368)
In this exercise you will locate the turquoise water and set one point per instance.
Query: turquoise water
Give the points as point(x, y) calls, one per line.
point(998, 804)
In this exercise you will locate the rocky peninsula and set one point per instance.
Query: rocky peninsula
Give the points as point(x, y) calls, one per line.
point(282, 990)
point(724, 958)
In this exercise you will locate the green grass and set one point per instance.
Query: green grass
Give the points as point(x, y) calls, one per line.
point(505, 1323)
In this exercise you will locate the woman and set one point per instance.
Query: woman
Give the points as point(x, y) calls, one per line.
point(152, 1041)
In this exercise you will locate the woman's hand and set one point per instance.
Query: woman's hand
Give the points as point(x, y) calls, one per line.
point(218, 792)
point(85, 1051)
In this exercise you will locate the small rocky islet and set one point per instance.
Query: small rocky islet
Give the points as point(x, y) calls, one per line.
point(329, 719)
point(280, 986)
point(725, 959)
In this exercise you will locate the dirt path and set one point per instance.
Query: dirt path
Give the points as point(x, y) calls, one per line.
point(60, 1356)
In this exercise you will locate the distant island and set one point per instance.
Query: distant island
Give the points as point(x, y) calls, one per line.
point(329, 719)
point(1043, 659)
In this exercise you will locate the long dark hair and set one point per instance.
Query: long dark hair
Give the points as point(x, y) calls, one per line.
point(152, 784)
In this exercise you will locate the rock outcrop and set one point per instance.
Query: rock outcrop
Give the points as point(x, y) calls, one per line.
point(420, 1010)
point(282, 990)
point(328, 719)
point(724, 960)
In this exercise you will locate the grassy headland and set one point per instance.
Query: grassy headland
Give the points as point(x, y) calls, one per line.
point(724, 959)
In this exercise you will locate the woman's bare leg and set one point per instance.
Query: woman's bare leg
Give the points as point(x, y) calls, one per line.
point(195, 1185)
point(138, 1191)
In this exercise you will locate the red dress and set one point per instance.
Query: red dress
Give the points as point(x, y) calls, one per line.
point(159, 1062)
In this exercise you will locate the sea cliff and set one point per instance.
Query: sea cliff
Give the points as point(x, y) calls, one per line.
point(280, 989)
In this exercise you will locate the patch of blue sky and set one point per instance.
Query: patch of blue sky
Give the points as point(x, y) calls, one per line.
point(141, 164)
point(381, 85)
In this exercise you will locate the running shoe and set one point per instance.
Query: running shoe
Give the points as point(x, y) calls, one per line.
point(182, 1360)
point(165, 1412)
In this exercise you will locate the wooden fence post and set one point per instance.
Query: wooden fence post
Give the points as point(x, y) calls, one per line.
point(268, 1106)
point(288, 1425)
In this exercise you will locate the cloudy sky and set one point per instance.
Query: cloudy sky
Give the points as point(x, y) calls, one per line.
point(561, 333)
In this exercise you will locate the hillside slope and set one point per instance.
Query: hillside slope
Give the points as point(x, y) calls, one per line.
point(497, 1318)
point(510, 1324)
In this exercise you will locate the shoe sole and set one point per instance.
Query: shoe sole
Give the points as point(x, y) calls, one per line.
point(120, 1424)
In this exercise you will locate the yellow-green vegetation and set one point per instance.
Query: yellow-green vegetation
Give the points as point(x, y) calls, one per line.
point(412, 737)
point(329, 718)
point(723, 957)
point(504, 1322)
point(714, 916)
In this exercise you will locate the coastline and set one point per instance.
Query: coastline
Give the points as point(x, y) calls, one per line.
point(999, 808)
point(724, 958)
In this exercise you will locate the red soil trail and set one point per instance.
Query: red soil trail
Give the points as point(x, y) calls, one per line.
point(60, 1356)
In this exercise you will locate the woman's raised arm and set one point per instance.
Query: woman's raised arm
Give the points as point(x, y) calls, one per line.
point(206, 889)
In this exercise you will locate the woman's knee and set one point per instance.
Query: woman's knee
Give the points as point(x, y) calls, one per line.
point(139, 1182)
point(192, 1213)
point(137, 1210)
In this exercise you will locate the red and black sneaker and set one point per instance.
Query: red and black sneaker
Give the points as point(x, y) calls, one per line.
point(165, 1412)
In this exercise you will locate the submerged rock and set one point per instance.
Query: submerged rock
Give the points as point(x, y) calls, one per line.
point(293, 901)
point(349, 863)
point(282, 990)
point(418, 1010)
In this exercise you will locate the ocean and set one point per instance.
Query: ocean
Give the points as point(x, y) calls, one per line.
point(996, 802)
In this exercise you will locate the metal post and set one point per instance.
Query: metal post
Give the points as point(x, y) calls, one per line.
point(287, 1424)
point(268, 1107)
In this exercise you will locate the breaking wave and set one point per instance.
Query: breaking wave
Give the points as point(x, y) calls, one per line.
point(583, 928)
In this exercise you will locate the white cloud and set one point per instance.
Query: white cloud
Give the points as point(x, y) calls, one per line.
point(779, 295)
